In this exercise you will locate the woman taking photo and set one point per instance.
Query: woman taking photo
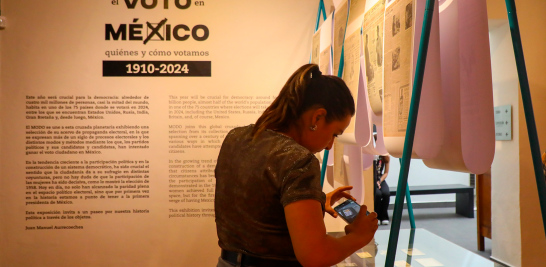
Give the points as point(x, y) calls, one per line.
point(269, 202)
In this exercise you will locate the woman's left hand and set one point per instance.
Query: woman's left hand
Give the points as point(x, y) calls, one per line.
point(334, 196)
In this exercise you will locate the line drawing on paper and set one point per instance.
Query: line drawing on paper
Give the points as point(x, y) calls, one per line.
point(369, 69)
point(396, 59)
point(379, 47)
point(409, 15)
point(372, 38)
point(395, 24)
point(403, 107)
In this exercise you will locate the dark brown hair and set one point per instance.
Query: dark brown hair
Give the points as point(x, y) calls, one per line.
point(307, 88)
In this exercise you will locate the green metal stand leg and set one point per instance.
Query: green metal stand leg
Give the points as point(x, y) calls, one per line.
point(324, 165)
point(410, 245)
point(322, 10)
point(527, 106)
point(327, 152)
point(410, 206)
point(410, 134)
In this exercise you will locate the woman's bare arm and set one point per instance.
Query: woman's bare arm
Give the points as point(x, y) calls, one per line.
point(312, 246)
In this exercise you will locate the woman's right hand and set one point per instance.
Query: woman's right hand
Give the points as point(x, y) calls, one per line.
point(363, 225)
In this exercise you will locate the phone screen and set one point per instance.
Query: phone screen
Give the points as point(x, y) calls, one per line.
point(348, 210)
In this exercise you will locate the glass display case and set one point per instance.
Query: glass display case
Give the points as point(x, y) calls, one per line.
point(416, 247)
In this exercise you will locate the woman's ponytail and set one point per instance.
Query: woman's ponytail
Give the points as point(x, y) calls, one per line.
point(306, 88)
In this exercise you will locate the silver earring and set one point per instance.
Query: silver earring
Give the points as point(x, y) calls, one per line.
point(313, 128)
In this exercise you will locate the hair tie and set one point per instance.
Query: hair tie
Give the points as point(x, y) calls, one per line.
point(316, 73)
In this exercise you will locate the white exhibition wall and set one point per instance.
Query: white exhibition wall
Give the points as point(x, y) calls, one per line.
point(118, 171)
point(505, 170)
point(420, 174)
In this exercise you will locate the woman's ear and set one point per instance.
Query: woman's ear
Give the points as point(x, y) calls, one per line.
point(318, 114)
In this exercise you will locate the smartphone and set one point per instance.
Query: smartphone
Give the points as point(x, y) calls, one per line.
point(348, 210)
